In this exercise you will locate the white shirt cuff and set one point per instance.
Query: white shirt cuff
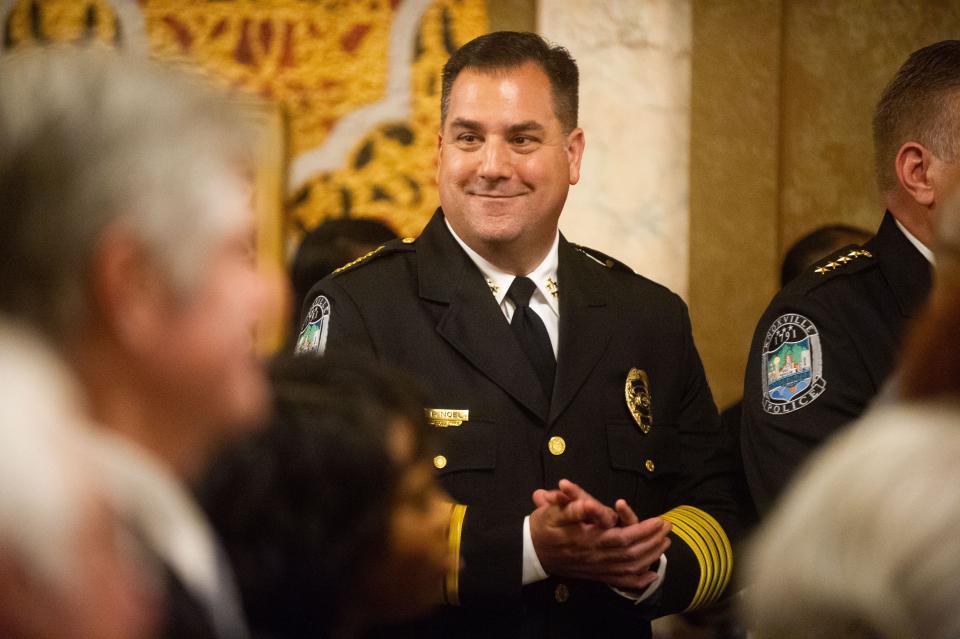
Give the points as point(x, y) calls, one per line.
point(532, 570)
point(649, 590)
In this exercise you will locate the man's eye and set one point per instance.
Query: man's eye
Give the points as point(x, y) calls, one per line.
point(469, 138)
point(525, 142)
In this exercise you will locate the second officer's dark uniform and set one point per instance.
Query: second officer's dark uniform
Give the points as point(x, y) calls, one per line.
point(424, 305)
point(823, 349)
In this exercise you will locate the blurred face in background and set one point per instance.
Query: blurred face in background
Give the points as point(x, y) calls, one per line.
point(197, 348)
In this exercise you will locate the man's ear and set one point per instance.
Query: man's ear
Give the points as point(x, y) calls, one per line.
point(575, 145)
point(913, 172)
point(127, 291)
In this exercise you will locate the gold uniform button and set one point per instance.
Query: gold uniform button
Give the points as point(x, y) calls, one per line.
point(440, 461)
point(561, 593)
point(408, 240)
point(649, 465)
point(556, 445)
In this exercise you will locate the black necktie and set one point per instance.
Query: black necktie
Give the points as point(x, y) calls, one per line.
point(531, 333)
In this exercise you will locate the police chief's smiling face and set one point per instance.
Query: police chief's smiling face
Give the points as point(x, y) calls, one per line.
point(506, 163)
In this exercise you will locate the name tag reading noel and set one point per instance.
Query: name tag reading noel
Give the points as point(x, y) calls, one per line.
point(792, 364)
point(446, 417)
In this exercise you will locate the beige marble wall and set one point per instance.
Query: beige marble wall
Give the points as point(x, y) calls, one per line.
point(634, 59)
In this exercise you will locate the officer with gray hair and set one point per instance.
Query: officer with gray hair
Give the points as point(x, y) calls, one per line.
point(126, 237)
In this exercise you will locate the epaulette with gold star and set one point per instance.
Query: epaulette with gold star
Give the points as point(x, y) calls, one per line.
point(838, 261)
point(393, 246)
point(602, 258)
point(846, 261)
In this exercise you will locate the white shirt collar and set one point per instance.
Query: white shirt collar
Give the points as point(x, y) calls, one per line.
point(924, 250)
point(544, 276)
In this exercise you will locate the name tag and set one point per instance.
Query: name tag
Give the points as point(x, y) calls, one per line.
point(446, 417)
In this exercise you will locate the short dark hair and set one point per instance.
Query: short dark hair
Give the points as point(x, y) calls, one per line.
point(508, 50)
point(919, 104)
point(817, 244)
point(303, 507)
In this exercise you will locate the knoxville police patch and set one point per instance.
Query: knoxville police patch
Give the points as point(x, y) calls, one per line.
point(313, 335)
point(792, 365)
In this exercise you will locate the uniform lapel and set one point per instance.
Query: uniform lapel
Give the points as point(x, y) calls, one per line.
point(585, 327)
point(473, 323)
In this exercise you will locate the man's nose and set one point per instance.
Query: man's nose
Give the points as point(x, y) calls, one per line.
point(496, 162)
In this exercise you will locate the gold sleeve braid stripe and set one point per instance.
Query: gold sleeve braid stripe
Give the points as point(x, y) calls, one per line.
point(451, 588)
point(710, 545)
point(714, 541)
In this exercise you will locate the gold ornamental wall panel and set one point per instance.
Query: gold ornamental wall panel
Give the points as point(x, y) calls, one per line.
point(357, 83)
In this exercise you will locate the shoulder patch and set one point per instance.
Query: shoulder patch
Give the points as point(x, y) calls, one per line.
point(313, 335)
point(393, 246)
point(602, 258)
point(792, 365)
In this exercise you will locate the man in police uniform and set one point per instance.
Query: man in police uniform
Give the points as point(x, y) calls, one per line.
point(828, 341)
point(546, 362)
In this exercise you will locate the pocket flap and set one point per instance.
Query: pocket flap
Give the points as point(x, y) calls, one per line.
point(654, 454)
point(472, 446)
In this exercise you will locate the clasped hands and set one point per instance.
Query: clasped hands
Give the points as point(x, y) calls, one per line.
point(576, 536)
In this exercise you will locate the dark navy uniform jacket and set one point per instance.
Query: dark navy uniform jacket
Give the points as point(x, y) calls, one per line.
point(847, 313)
point(425, 306)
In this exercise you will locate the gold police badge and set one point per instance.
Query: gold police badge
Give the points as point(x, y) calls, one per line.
point(637, 391)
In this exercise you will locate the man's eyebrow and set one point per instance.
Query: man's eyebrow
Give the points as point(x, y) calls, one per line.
point(519, 127)
point(529, 125)
point(464, 123)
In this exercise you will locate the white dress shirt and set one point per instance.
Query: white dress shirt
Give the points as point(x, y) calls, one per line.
point(923, 248)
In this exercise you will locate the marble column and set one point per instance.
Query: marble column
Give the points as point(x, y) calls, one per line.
point(634, 60)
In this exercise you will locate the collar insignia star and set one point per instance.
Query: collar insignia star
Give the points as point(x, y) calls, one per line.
point(552, 287)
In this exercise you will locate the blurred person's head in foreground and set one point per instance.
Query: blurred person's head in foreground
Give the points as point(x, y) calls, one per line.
point(864, 543)
point(332, 244)
point(332, 516)
point(66, 569)
point(127, 236)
